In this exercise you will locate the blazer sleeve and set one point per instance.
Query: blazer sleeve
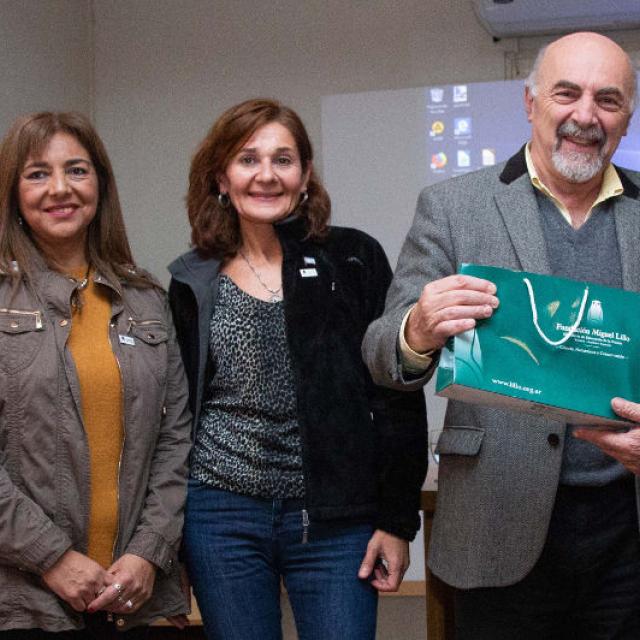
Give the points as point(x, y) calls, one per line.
point(427, 255)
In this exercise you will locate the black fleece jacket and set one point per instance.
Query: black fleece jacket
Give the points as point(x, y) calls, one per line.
point(364, 448)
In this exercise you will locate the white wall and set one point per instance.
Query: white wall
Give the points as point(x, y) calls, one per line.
point(46, 57)
point(165, 70)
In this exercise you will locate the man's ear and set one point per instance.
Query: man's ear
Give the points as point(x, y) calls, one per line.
point(528, 103)
point(626, 126)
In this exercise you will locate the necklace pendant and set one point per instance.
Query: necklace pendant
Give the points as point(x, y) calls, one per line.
point(276, 295)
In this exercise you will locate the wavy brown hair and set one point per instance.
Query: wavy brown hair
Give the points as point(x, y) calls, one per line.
point(108, 249)
point(215, 229)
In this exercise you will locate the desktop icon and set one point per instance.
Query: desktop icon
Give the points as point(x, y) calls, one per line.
point(438, 160)
point(437, 94)
point(460, 93)
point(437, 128)
point(464, 158)
point(488, 157)
point(461, 126)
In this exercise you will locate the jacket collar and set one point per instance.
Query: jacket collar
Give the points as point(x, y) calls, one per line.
point(626, 213)
point(294, 227)
point(517, 204)
point(56, 288)
point(518, 207)
point(194, 268)
point(197, 270)
point(516, 167)
point(631, 190)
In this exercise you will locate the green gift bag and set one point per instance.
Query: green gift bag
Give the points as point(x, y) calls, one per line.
point(554, 346)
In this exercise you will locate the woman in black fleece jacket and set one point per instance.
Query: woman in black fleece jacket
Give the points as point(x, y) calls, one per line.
point(302, 468)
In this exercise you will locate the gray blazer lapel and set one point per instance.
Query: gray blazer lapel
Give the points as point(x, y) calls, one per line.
point(519, 210)
point(627, 216)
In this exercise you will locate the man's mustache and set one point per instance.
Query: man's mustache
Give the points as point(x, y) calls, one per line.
point(593, 133)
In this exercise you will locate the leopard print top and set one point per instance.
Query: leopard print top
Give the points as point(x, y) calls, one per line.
point(248, 440)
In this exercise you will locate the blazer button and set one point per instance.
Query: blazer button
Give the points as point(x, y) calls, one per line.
point(553, 439)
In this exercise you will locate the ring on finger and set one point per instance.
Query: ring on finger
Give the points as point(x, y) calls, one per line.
point(129, 604)
point(118, 587)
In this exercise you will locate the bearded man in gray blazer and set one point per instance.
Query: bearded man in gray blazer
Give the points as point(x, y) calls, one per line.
point(537, 521)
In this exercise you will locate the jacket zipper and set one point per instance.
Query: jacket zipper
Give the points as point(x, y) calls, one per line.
point(290, 287)
point(37, 314)
point(305, 526)
point(124, 435)
point(141, 323)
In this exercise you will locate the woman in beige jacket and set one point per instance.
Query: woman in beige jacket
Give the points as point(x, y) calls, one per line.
point(94, 425)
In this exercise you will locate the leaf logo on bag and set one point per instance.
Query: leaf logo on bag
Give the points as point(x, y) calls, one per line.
point(594, 315)
point(523, 346)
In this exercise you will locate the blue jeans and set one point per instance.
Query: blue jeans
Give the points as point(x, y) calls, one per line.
point(237, 550)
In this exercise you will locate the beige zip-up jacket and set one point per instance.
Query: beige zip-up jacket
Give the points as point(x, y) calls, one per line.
point(45, 482)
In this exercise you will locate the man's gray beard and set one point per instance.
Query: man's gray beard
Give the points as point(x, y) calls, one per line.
point(575, 166)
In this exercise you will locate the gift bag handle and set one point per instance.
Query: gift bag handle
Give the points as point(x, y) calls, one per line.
point(534, 312)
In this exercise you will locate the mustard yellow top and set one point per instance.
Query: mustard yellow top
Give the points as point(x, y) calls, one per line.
point(101, 397)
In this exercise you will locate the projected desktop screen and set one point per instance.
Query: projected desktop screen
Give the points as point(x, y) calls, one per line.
point(470, 126)
point(381, 148)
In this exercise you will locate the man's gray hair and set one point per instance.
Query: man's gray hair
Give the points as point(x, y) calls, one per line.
point(531, 81)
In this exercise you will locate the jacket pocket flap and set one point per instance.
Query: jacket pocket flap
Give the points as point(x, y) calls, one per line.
point(20, 322)
point(151, 333)
point(464, 441)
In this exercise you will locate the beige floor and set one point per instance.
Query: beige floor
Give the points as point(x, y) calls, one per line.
point(399, 618)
